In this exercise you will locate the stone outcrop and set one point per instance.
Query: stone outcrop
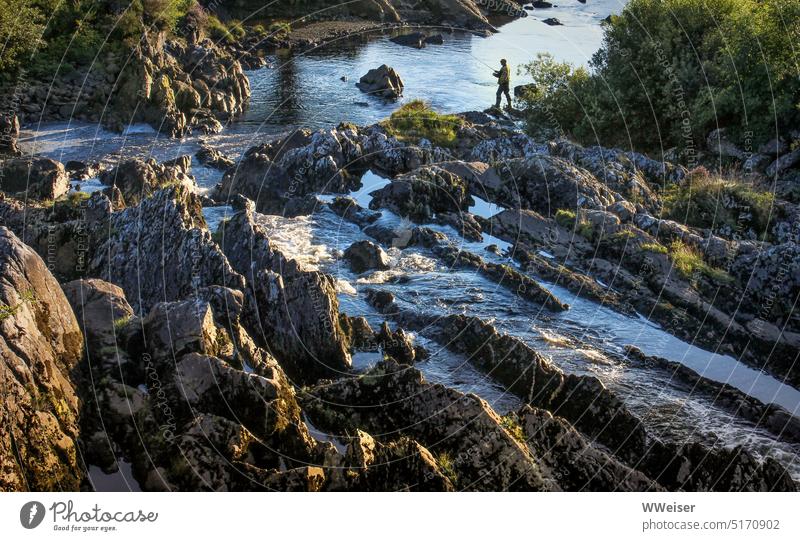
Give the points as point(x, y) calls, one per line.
point(294, 311)
point(161, 250)
point(463, 432)
point(178, 88)
point(40, 347)
point(34, 178)
point(545, 184)
point(137, 179)
point(422, 193)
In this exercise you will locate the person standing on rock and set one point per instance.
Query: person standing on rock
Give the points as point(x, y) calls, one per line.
point(503, 81)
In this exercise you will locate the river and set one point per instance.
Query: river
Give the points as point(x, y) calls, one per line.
point(307, 90)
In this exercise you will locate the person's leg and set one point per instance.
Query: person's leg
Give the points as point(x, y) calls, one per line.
point(499, 96)
point(508, 95)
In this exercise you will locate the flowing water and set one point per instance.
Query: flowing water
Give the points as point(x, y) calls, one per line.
point(306, 90)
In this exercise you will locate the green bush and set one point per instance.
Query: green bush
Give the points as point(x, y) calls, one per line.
point(21, 26)
point(712, 202)
point(416, 120)
point(670, 71)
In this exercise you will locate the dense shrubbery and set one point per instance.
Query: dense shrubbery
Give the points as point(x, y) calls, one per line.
point(50, 35)
point(708, 201)
point(670, 71)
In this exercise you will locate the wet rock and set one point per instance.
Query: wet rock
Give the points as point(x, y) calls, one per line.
point(435, 39)
point(415, 39)
point(350, 210)
point(295, 311)
point(380, 299)
point(465, 435)
point(212, 157)
point(540, 4)
point(365, 255)
point(399, 345)
point(520, 284)
point(34, 178)
point(82, 171)
point(180, 258)
point(40, 347)
point(582, 400)
point(552, 21)
point(576, 464)
point(694, 467)
point(422, 193)
point(138, 179)
point(383, 82)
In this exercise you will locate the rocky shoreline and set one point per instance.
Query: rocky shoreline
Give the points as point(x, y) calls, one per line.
point(211, 360)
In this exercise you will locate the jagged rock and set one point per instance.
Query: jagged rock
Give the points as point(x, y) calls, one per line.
point(462, 431)
point(138, 179)
point(399, 345)
point(301, 165)
point(34, 178)
point(582, 400)
point(175, 87)
point(364, 255)
point(552, 21)
point(575, 463)
point(40, 347)
point(784, 163)
point(212, 157)
point(9, 133)
point(423, 193)
point(719, 144)
point(546, 183)
point(382, 82)
point(350, 210)
point(161, 250)
point(295, 311)
point(380, 299)
point(632, 174)
point(102, 310)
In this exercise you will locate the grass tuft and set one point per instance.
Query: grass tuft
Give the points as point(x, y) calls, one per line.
point(416, 120)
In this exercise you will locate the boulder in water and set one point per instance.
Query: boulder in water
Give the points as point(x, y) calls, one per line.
point(552, 21)
point(365, 255)
point(416, 39)
point(383, 82)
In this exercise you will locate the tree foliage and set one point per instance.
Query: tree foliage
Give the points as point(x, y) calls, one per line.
point(671, 71)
